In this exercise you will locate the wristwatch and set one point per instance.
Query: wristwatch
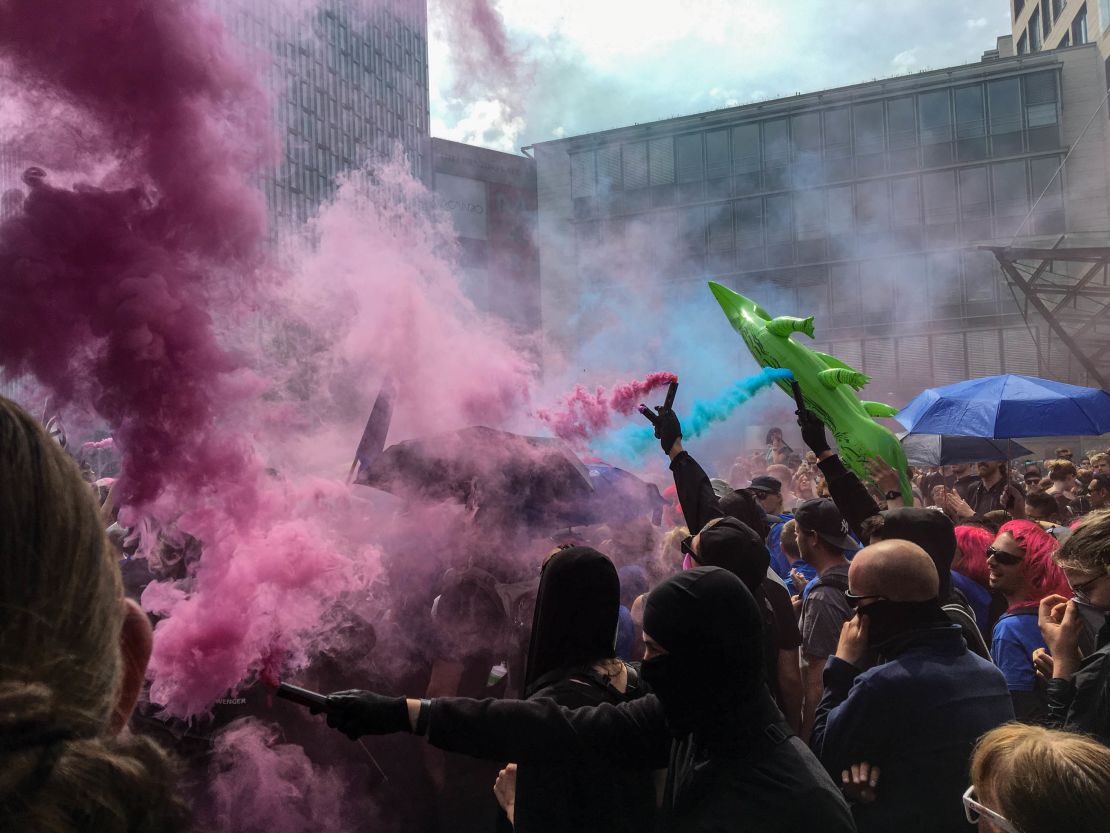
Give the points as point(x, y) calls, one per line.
point(892, 494)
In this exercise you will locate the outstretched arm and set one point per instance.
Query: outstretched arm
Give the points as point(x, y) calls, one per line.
point(695, 492)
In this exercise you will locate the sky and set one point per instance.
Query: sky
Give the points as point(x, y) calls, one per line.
point(587, 65)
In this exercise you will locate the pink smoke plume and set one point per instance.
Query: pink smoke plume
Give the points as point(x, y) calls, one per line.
point(107, 442)
point(582, 414)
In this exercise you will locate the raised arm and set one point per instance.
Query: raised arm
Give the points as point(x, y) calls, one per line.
point(695, 492)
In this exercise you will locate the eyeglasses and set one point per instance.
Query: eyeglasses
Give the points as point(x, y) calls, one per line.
point(687, 546)
point(1080, 590)
point(1003, 557)
point(973, 809)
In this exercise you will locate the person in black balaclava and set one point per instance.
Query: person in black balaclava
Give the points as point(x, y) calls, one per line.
point(571, 661)
point(732, 762)
point(904, 699)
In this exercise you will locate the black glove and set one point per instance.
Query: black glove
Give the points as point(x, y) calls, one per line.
point(668, 430)
point(813, 431)
point(357, 713)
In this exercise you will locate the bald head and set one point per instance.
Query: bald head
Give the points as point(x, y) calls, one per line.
point(897, 570)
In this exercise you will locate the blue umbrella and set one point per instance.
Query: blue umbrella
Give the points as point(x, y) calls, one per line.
point(944, 450)
point(1008, 406)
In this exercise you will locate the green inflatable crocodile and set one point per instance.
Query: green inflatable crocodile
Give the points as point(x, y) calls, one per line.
point(828, 384)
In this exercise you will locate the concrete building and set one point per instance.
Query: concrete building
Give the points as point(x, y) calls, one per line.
point(861, 205)
point(1040, 25)
point(350, 84)
point(491, 197)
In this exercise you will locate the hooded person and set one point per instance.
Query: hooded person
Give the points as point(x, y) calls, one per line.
point(571, 661)
point(904, 698)
point(731, 759)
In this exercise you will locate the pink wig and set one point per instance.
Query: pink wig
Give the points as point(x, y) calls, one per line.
point(1041, 572)
point(971, 560)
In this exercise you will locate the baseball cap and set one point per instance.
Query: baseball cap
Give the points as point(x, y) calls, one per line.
point(820, 515)
point(736, 547)
point(767, 484)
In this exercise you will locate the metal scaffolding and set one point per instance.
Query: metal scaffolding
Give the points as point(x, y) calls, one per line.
point(1069, 289)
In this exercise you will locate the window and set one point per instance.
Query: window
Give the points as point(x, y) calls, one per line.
point(805, 134)
point(720, 228)
point(749, 223)
point(1040, 111)
point(1103, 15)
point(971, 126)
point(609, 168)
point(872, 205)
point(841, 218)
point(661, 161)
point(1046, 19)
point(746, 158)
point(1057, 7)
point(809, 214)
point(690, 163)
point(1035, 31)
point(1009, 192)
point(1023, 44)
point(634, 165)
point(877, 290)
point(844, 289)
point(905, 198)
point(776, 153)
point(1047, 180)
point(838, 138)
point(974, 197)
point(1079, 26)
point(717, 163)
point(867, 133)
point(779, 217)
point(692, 237)
point(934, 116)
point(901, 133)
point(980, 276)
point(583, 181)
point(1004, 98)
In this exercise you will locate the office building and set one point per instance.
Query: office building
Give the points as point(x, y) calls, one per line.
point(491, 197)
point(350, 83)
point(1040, 25)
point(862, 206)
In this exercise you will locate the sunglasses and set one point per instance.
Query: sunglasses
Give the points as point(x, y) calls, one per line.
point(1003, 557)
point(1081, 590)
point(855, 602)
point(973, 810)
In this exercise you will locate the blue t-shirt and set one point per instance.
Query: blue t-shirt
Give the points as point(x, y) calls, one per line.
point(1016, 637)
point(977, 596)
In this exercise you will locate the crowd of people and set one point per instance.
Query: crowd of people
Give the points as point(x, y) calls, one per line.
point(797, 649)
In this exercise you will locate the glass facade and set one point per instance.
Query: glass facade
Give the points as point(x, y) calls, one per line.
point(350, 84)
point(861, 211)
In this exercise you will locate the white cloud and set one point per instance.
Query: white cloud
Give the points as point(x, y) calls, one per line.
point(906, 59)
point(976, 23)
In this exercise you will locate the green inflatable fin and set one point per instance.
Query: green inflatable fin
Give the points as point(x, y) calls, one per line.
point(833, 361)
point(839, 376)
point(784, 325)
point(878, 409)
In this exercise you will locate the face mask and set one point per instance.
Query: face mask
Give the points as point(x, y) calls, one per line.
point(677, 690)
point(888, 620)
point(1094, 618)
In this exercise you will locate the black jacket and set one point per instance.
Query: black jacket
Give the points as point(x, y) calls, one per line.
point(762, 781)
point(917, 717)
point(695, 493)
point(593, 796)
point(1082, 704)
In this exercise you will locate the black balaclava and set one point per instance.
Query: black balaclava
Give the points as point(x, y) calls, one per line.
point(891, 623)
point(710, 626)
point(575, 621)
point(932, 531)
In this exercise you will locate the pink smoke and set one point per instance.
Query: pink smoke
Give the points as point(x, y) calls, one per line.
point(582, 414)
point(107, 442)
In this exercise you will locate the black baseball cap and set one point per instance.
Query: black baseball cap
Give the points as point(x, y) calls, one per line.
point(766, 484)
point(820, 515)
point(736, 547)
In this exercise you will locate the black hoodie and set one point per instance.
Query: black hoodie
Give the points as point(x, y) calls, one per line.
point(733, 764)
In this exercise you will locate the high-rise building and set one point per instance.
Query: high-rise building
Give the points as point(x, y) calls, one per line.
point(350, 83)
point(863, 206)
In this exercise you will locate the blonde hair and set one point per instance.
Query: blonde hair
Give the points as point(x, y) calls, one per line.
point(1043, 780)
point(61, 666)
